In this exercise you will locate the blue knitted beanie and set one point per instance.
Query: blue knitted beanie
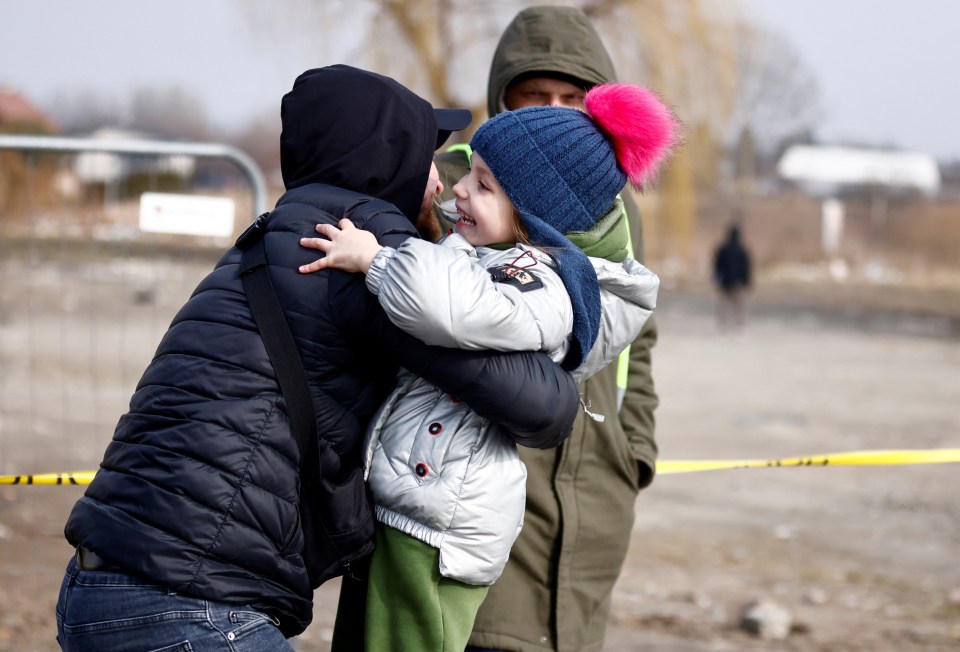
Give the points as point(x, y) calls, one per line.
point(553, 162)
point(561, 173)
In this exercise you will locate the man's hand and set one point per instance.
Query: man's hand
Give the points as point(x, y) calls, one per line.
point(347, 248)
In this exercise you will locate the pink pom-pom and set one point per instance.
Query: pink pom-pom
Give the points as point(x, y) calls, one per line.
point(642, 129)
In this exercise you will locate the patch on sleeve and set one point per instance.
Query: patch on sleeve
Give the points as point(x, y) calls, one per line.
point(519, 278)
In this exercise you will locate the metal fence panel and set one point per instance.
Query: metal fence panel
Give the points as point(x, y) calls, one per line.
point(101, 242)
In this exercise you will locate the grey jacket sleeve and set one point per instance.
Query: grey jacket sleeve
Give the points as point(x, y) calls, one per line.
point(628, 296)
point(444, 295)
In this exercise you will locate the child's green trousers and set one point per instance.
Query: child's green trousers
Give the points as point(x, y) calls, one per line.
point(410, 607)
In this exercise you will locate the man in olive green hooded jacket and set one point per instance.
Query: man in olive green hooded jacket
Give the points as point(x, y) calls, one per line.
point(555, 591)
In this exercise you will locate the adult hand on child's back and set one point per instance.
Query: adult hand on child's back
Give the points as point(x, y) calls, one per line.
point(347, 248)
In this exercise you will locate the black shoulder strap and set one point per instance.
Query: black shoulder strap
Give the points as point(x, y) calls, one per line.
point(281, 347)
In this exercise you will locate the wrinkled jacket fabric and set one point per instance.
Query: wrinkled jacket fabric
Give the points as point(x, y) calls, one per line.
point(554, 593)
point(438, 471)
point(199, 489)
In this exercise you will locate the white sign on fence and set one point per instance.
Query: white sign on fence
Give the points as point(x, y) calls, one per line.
point(186, 214)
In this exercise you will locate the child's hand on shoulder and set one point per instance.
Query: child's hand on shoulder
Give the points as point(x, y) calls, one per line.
point(347, 248)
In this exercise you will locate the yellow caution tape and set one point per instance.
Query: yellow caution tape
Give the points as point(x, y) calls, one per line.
point(856, 458)
point(75, 477)
point(664, 467)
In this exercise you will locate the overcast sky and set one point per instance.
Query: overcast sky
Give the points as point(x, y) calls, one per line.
point(885, 67)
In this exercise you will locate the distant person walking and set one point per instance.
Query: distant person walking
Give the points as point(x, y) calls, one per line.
point(731, 273)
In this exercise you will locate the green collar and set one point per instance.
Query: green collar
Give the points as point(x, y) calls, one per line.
point(609, 238)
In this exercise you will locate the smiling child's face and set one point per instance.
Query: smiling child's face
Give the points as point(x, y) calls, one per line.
point(486, 214)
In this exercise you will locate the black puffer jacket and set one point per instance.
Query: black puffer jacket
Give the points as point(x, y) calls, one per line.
point(198, 490)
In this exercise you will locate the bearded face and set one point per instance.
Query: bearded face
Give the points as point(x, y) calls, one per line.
point(428, 226)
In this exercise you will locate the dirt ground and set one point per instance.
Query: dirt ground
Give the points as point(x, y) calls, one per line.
point(863, 558)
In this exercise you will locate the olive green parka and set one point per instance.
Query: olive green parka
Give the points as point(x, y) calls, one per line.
point(555, 591)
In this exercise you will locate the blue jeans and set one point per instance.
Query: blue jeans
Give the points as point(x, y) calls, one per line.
point(103, 612)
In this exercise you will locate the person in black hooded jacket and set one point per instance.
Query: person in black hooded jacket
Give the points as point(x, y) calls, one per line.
point(731, 275)
point(189, 536)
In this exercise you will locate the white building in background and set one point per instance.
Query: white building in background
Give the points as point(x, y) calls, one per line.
point(826, 170)
point(106, 167)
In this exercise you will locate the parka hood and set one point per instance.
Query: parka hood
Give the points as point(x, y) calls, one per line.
point(550, 39)
point(360, 131)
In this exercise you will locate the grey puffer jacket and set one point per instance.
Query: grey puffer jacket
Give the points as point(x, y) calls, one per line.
point(438, 471)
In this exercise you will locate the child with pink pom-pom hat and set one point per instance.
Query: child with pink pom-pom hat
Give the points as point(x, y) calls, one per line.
point(538, 261)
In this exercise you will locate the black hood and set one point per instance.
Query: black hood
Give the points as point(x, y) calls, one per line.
point(360, 131)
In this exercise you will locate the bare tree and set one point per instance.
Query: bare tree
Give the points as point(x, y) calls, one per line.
point(778, 97)
point(684, 50)
point(168, 112)
point(442, 48)
point(171, 112)
point(85, 111)
point(439, 48)
point(259, 140)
